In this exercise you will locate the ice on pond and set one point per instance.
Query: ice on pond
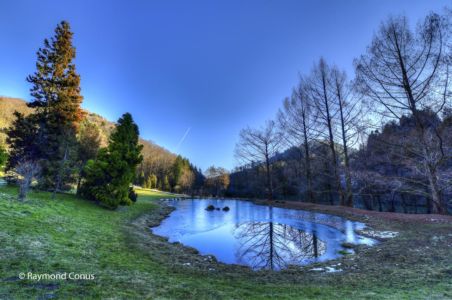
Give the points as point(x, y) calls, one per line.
point(257, 236)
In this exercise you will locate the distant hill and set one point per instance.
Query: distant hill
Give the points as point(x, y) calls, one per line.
point(7, 108)
point(8, 105)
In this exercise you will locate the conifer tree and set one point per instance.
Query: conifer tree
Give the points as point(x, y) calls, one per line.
point(153, 181)
point(109, 177)
point(147, 183)
point(22, 140)
point(141, 180)
point(176, 171)
point(24, 154)
point(166, 185)
point(88, 146)
point(57, 99)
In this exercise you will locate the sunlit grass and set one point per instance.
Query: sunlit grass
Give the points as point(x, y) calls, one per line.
point(68, 234)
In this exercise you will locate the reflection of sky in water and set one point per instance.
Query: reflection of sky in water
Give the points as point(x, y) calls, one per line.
point(258, 236)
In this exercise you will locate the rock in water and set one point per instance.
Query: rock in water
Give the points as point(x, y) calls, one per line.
point(210, 208)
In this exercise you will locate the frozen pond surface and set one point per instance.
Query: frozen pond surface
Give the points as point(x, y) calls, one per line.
point(259, 236)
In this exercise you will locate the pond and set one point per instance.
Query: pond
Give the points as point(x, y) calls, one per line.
point(258, 236)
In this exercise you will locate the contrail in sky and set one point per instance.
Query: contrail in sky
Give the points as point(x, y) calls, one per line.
point(183, 138)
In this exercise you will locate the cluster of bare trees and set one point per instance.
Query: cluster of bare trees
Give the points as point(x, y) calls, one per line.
point(260, 145)
point(328, 130)
point(216, 181)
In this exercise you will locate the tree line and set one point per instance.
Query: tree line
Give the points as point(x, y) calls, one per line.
point(167, 172)
point(381, 140)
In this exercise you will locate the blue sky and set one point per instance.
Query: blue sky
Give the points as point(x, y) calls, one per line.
point(208, 68)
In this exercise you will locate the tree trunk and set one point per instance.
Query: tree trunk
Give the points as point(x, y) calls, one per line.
point(348, 180)
point(60, 172)
point(271, 238)
point(79, 182)
point(392, 207)
point(307, 164)
point(328, 186)
point(380, 207)
point(315, 244)
point(402, 196)
point(438, 207)
point(269, 178)
point(331, 143)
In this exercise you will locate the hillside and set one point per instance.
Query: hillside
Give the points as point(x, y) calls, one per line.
point(9, 105)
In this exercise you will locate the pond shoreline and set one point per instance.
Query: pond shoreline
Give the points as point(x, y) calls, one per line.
point(246, 232)
point(378, 270)
point(372, 219)
point(352, 213)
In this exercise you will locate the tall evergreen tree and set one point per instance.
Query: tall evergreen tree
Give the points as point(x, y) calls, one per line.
point(108, 178)
point(176, 171)
point(57, 99)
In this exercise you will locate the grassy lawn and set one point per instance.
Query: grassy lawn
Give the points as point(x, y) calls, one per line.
point(72, 235)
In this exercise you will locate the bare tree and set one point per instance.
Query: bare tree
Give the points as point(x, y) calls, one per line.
point(350, 123)
point(217, 179)
point(260, 146)
point(406, 72)
point(298, 122)
point(27, 170)
point(321, 91)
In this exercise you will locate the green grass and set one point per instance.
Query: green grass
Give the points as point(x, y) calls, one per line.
point(72, 235)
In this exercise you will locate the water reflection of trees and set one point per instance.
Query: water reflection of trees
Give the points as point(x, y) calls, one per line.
point(269, 245)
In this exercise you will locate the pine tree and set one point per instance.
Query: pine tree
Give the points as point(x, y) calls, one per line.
point(109, 177)
point(150, 182)
point(57, 99)
point(176, 172)
point(88, 146)
point(24, 153)
point(22, 140)
point(166, 185)
point(153, 181)
point(141, 180)
point(147, 183)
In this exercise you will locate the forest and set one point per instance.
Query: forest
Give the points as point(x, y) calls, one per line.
point(380, 141)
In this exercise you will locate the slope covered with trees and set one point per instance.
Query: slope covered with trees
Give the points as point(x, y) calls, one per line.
point(157, 161)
